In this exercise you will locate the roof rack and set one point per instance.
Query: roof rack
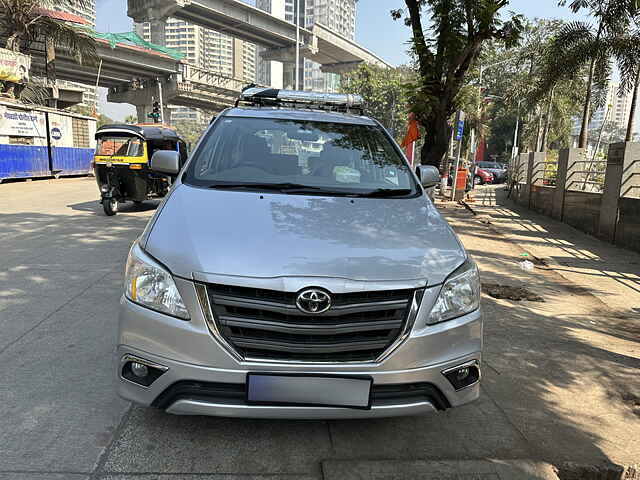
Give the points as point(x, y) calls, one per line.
point(274, 97)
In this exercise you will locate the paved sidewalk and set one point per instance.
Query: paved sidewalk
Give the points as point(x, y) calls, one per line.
point(610, 273)
point(564, 371)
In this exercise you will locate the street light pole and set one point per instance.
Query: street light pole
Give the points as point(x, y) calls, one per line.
point(297, 70)
point(160, 100)
point(514, 147)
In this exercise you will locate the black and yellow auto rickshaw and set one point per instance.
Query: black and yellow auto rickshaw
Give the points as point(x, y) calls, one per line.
point(122, 162)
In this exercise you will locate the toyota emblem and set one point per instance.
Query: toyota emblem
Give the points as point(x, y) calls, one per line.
point(313, 300)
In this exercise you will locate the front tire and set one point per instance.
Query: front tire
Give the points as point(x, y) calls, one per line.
point(110, 206)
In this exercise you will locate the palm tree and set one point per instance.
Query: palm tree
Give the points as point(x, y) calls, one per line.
point(24, 22)
point(580, 43)
point(627, 53)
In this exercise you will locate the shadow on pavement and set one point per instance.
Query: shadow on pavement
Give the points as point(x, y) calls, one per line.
point(123, 208)
point(580, 253)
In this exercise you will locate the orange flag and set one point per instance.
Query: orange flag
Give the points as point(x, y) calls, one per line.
point(413, 133)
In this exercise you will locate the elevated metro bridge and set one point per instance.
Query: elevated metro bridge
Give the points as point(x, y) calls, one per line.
point(333, 51)
point(132, 74)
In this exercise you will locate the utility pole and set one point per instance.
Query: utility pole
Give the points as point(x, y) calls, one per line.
point(459, 129)
point(160, 99)
point(297, 82)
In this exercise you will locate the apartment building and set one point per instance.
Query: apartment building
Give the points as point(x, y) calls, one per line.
point(86, 10)
point(616, 109)
point(207, 49)
point(337, 15)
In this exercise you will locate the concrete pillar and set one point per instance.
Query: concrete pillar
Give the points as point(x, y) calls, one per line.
point(277, 68)
point(535, 173)
point(536, 167)
point(522, 172)
point(561, 184)
point(141, 112)
point(158, 31)
point(622, 177)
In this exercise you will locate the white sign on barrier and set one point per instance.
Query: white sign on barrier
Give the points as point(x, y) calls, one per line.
point(22, 123)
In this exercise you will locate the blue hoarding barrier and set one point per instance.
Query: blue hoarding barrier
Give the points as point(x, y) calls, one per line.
point(71, 161)
point(23, 161)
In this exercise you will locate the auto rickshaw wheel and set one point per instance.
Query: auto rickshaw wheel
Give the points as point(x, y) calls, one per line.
point(110, 206)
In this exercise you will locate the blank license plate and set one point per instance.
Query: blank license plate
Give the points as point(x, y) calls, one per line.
point(309, 390)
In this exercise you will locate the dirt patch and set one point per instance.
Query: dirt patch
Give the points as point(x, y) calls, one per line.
point(508, 292)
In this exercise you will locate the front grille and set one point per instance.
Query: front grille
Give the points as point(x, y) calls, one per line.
point(266, 324)
point(235, 394)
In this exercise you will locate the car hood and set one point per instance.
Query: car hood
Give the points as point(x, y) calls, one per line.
point(239, 233)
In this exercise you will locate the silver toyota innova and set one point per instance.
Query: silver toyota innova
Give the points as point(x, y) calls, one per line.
point(298, 269)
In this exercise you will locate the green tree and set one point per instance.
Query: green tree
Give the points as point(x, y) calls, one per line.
point(24, 22)
point(190, 131)
point(103, 120)
point(580, 43)
point(512, 91)
point(444, 53)
point(385, 99)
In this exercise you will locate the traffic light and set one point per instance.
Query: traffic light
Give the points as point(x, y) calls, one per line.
point(155, 114)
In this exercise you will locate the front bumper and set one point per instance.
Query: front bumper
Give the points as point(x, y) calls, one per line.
point(192, 355)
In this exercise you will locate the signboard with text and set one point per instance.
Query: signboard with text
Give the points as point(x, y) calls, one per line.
point(22, 123)
point(459, 125)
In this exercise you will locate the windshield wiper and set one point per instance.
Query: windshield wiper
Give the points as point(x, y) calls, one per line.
point(280, 187)
point(387, 192)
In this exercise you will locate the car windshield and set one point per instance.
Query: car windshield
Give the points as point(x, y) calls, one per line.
point(121, 146)
point(297, 156)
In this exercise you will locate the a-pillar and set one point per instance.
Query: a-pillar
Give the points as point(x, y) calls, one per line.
point(622, 176)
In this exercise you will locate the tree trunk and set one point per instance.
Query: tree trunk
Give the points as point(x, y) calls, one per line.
point(436, 143)
point(584, 130)
point(632, 112)
point(50, 59)
point(547, 124)
point(536, 147)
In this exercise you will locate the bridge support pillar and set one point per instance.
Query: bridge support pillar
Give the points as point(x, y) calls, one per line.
point(158, 31)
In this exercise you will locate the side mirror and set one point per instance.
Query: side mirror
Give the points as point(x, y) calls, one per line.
point(166, 161)
point(429, 175)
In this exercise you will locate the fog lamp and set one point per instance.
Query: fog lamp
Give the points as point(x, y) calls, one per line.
point(139, 370)
point(463, 376)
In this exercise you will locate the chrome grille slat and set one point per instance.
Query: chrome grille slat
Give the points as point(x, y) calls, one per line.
point(284, 308)
point(307, 348)
point(329, 329)
point(267, 323)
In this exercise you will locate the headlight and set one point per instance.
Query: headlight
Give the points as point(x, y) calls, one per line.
point(459, 295)
point(151, 285)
